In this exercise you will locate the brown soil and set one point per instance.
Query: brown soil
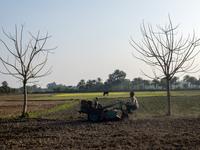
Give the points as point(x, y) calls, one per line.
point(8, 108)
point(11, 105)
point(134, 133)
point(71, 130)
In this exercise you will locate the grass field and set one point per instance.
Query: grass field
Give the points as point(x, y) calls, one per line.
point(151, 103)
point(90, 96)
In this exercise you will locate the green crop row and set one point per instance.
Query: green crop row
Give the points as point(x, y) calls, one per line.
point(90, 96)
point(151, 103)
point(33, 115)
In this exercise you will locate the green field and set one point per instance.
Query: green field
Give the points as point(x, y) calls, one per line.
point(90, 96)
point(151, 103)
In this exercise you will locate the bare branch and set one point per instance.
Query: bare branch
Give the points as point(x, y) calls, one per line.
point(23, 66)
point(164, 51)
point(165, 54)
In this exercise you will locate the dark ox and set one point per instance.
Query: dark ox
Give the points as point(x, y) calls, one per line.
point(104, 93)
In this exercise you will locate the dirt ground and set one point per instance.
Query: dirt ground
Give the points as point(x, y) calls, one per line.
point(68, 131)
point(134, 133)
point(10, 107)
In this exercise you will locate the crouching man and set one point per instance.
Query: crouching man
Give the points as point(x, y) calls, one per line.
point(134, 105)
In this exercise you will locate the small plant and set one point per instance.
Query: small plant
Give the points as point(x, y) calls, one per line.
point(26, 115)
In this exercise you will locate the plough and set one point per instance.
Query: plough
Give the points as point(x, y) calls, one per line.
point(97, 112)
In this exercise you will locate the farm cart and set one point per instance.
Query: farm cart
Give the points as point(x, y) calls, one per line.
point(95, 113)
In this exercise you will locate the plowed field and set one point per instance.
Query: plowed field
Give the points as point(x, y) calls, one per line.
point(134, 133)
point(67, 129)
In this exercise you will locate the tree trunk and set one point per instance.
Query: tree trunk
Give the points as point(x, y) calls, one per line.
point(169, 98)
point(25, 100)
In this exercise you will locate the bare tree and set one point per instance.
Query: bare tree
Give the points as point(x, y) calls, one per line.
point(165, 54)
point(26, 65)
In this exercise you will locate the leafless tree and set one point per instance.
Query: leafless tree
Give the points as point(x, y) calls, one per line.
point(165, 53)
point(26, 64)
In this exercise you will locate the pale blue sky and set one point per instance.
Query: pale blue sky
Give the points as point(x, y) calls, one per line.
point(92, 36)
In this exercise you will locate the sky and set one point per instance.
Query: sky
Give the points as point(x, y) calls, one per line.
point(92, 35)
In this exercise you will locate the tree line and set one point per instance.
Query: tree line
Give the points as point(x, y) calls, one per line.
point(118, 82)
point(115, 82)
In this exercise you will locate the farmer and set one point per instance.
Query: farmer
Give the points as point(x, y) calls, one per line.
point(96, 102)
point(134, 103)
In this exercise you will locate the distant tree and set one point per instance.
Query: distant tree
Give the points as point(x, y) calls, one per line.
point(39, 89)
point(127, 84)
point(94, 82)
point(14, 90)
point(51, 86)
point(99, 84)
point(198, 82)
point(186, 79)
point(140, 82)
point(108, 85)
point(117, 78)
point(81, 84)
point(146, 83)
point(185, 86)
point(137, 82)
point(54, 87)
point(192, 81)
point(155, 83)
point(174, 81)
point(89, 85)
point(165, 54)
point(99, 80)
point(26, 65)
point(69, 87)
point(34, 88)
point(4, 83)
point(57, 89)
point(134, 83)
point(5, 89)
point(2, 91)
point(163, 83)
point(29, 89)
